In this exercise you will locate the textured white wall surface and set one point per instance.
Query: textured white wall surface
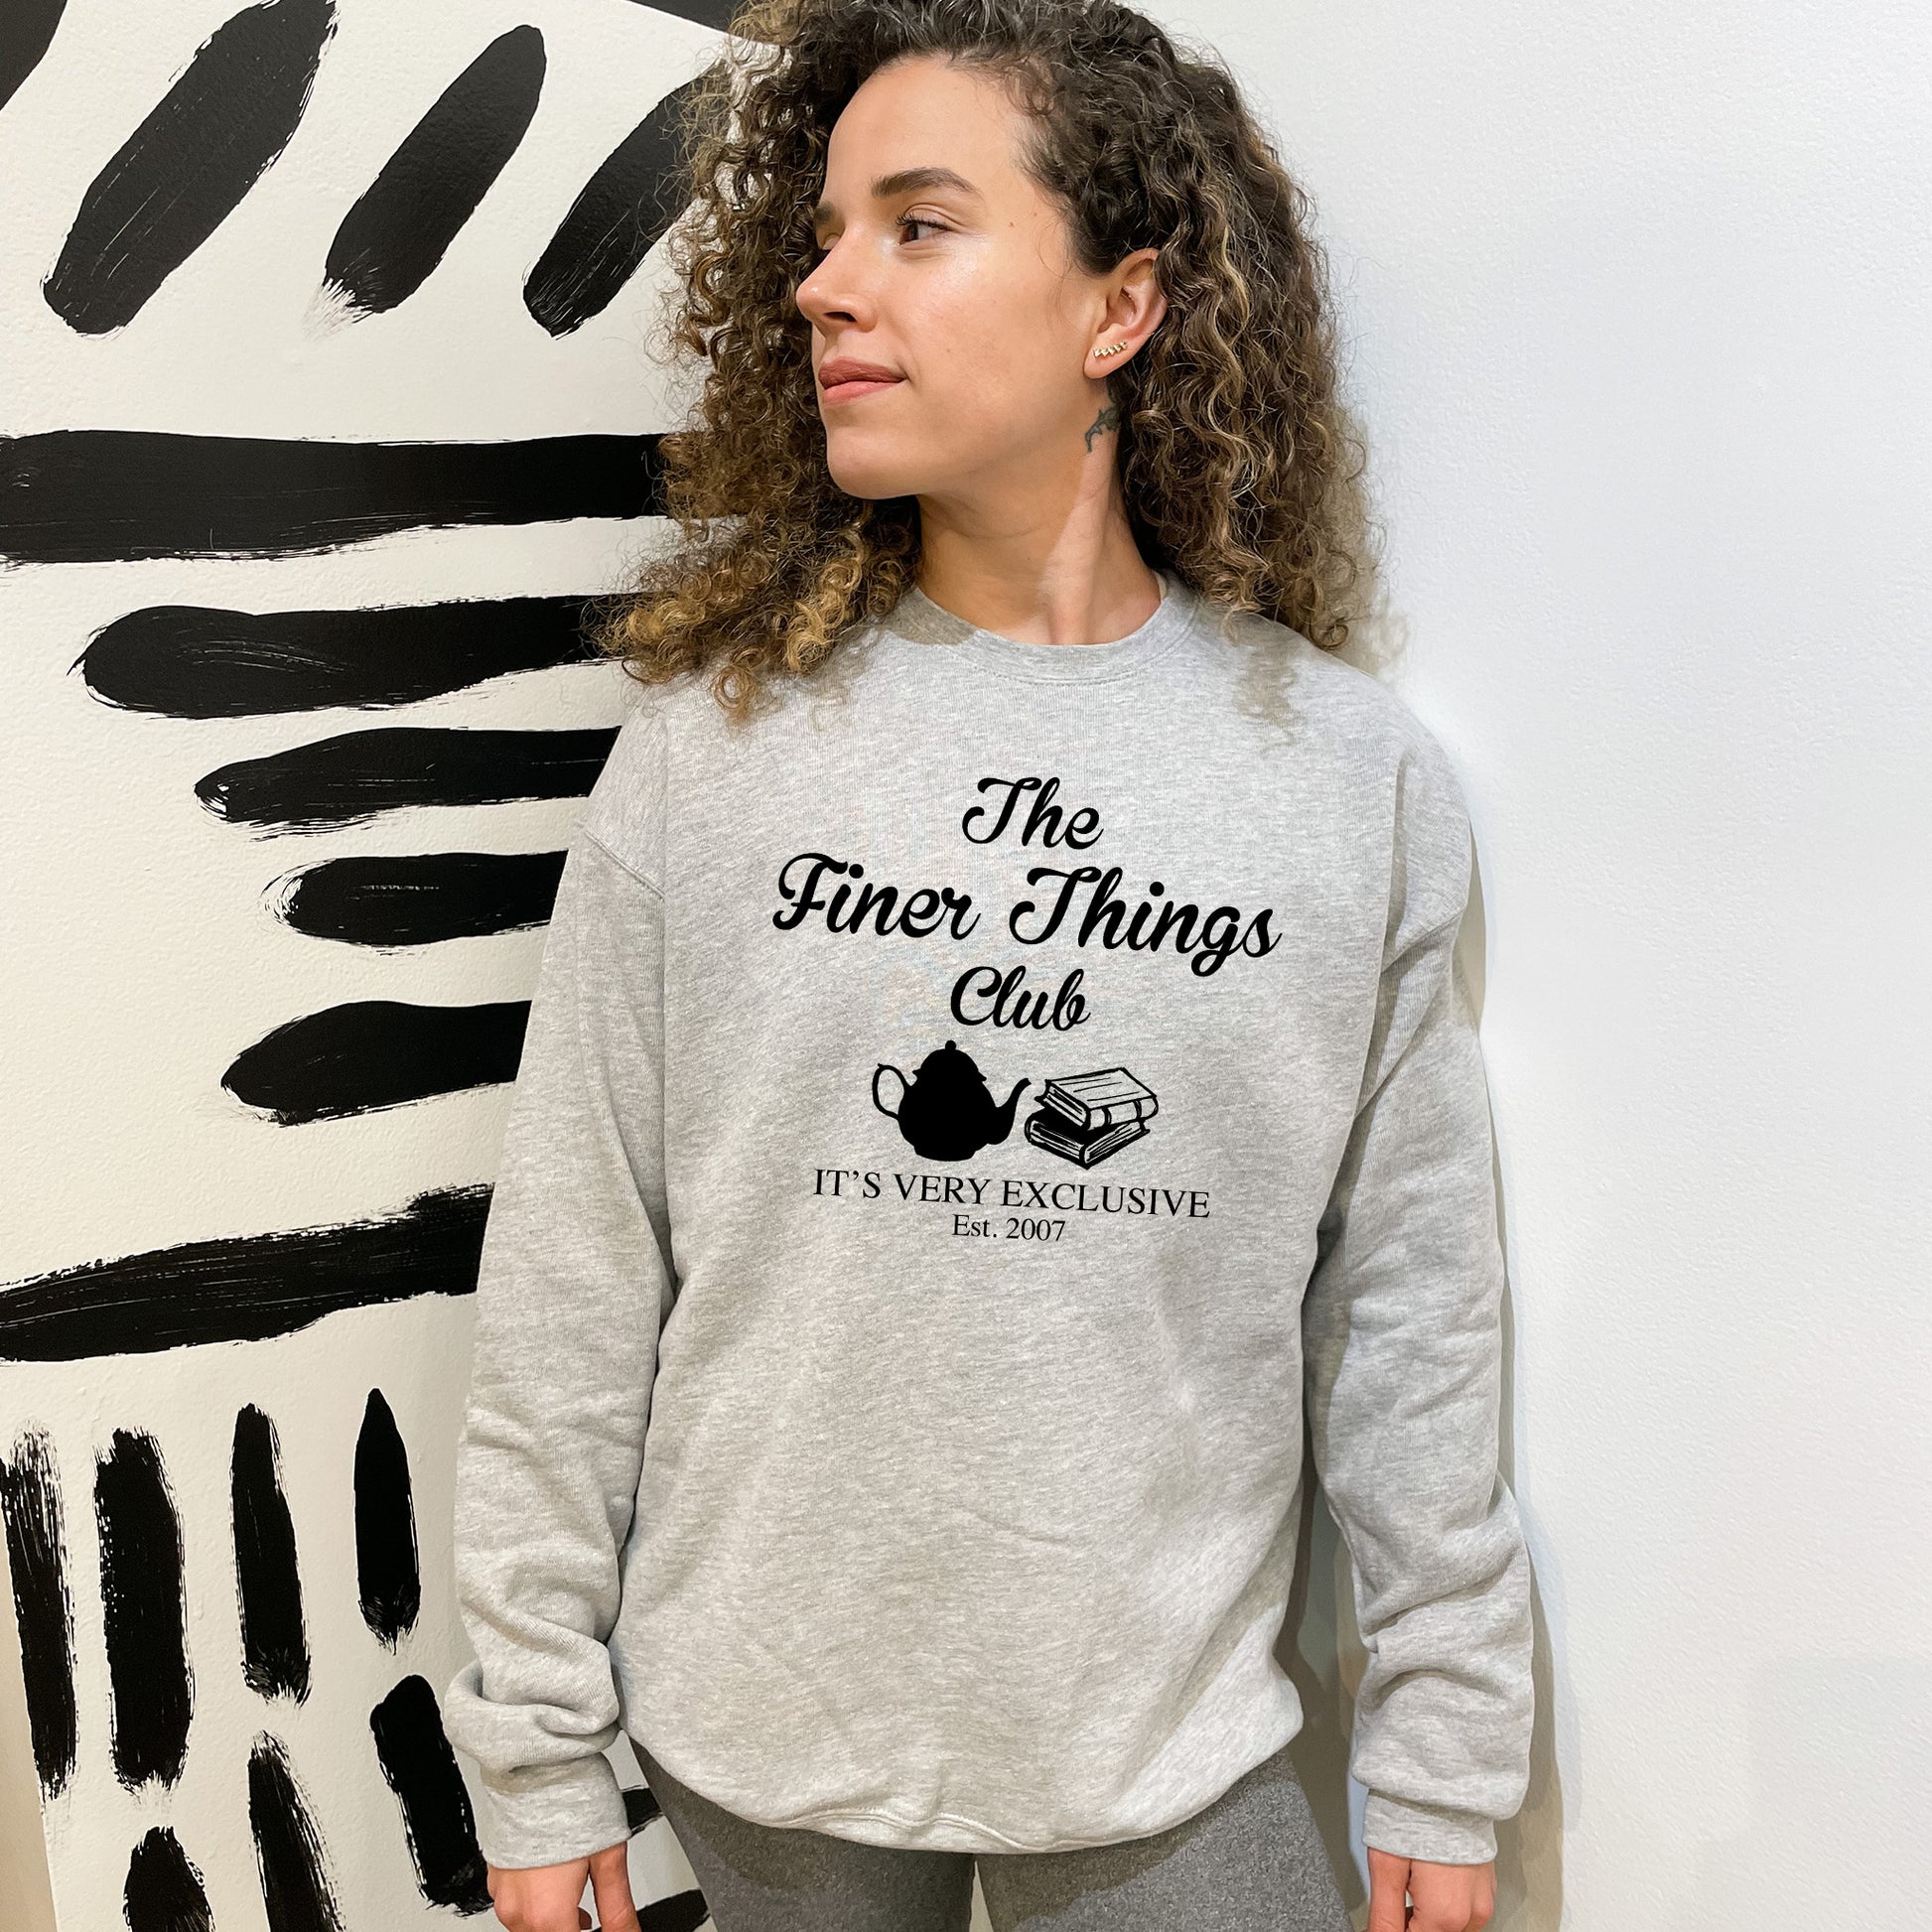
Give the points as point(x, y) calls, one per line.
point(142, 949)
point(1639, 300)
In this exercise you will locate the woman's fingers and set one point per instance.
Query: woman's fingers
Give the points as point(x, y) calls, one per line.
point(1388, 1892)
point(540, 1898)
point(611, 1886)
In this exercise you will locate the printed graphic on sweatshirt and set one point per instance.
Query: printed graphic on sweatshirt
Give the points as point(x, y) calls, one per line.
point(951, 1107)
point(946, 1111)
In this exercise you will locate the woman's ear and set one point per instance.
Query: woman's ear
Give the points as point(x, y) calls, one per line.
point(1141, 286)
point(1135, 308)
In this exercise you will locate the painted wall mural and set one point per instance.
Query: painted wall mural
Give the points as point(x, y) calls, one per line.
point(323, 413)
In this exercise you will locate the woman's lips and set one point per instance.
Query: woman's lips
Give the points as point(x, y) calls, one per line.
point(850, 391)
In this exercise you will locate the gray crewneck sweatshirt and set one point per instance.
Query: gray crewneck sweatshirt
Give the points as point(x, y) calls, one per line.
point(967, 1118)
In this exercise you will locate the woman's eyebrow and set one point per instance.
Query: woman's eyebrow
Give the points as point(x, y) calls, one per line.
point(904, 182)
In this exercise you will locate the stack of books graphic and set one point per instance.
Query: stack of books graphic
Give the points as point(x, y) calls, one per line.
point(1087, 1116)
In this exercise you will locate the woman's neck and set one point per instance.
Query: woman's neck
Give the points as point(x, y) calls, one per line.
point(1076, 579)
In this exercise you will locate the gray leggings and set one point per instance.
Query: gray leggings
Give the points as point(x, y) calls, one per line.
point(1251, 1862)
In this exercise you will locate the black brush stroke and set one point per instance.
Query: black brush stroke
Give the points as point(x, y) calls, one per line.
point(421, 897)
point(437, 1819)
point(105, 496)
point(164, 1890)
point(388, 1576)
point(623, 210)
point(268, 1581)
point(391, 240)
point(368, 1054)
point(186, 169)
point(144, 1611)
point(639, 1807)
point(295, 1888)
point(348, 779)
point(707, 13)
point(30, 1501)
point(26, 33)
point(184, 660)
point(244, 1287)
point(683, 1912)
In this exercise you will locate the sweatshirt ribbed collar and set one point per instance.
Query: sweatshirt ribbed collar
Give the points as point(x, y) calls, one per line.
point(917, 618)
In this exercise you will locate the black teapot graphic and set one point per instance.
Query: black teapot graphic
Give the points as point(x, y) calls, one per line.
point(946, 1110)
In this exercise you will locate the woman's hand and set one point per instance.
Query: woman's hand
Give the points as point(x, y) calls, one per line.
point(543, 1898)
point(1447, 1897)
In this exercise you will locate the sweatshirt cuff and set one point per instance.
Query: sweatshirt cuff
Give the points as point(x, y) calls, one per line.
point(552, 1812)
point(1433, 1833)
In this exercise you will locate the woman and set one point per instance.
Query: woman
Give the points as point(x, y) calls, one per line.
point(996, 1057)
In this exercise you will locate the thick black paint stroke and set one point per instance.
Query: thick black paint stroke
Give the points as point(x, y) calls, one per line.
point(243, 1288)
point(289, 1855)
point(626, 206)
point(391, 240)
point(30, 1501)
point(182, 661)
point(164, 1890)
point(268, 1583)
point(349, 779)
point(186, 167)
point(707, 13)
point(683, 1912)
point(421, 1768)
point(25, 31)
point(144, 1611)
point(421, 897)
point(388, 1581)
point(100, 496)
point(370, 1054)
point(639, 1807)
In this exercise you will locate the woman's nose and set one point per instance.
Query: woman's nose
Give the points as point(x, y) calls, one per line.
point(832, 291)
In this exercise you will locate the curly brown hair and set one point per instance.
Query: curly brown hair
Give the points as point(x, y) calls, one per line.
point(1239, 467)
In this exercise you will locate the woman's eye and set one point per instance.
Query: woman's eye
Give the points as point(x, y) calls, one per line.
point(904, 223)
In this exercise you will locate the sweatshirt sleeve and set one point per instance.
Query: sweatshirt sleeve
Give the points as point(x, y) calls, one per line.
point(574, 1286)
point(1400, 1326)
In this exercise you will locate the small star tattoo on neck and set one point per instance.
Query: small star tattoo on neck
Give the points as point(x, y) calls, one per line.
point(1109, 418)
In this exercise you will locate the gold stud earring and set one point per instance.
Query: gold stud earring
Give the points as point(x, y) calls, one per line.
point(1114, 350)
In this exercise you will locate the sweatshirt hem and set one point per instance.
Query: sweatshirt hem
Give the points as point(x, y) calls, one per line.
point(949, 1830)
point(1435, 1834)
point(817, 1820)
point(546, 1814)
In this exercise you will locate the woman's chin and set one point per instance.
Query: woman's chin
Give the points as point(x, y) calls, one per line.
point(873, 473)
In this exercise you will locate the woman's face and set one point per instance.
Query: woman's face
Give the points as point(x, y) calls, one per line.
point(947, 274)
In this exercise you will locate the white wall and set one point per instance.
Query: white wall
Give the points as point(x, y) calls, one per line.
point(1641, 304)
point(138, 950)
point(23, 1878)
